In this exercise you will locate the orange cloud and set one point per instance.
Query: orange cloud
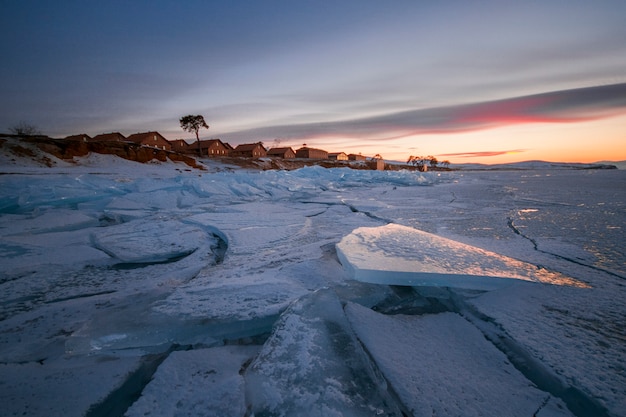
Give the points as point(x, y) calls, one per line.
point(481, 154)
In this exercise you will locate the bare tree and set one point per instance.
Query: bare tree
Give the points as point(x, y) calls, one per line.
point(24, 129)
point(191, 123)
point(417, 161)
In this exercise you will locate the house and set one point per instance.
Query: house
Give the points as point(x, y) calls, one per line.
point(311, 153)
point(285, 153)
point(338, 156)
point(109, 137)
point(151, 139)
point(249, 150)
point(81, 138)
point(376, 162)
point(180, 145)
point(355, 157)
point(211, 147)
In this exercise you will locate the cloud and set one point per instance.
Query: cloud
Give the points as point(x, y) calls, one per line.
point(482, 153)
point(566, 106)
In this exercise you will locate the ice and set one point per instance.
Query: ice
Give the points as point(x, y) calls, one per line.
point(313, 365)
point(150, 240)
point(208, 382)
point(400, 255)
point(442, 365)
point(63, 387)
point(121, 281)
point(584, 347)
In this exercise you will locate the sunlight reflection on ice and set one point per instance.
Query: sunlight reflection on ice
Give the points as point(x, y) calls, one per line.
point(400, 255)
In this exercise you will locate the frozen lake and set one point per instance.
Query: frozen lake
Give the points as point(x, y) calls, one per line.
point(135, 290)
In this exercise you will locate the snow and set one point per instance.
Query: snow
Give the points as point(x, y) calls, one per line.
point(130, 289)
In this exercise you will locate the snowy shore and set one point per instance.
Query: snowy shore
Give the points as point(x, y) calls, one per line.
point(154, 289)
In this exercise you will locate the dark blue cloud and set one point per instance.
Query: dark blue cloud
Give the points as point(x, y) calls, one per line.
point(553, 107)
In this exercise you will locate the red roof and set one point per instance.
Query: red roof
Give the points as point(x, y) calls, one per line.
point(140, 137)
point(205, 144)
point(248, 147)
point(114, 137)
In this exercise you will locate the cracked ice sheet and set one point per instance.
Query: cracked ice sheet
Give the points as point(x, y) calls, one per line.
point(442, 365)
point(312, 365)
point(581, 341)
point(259, 275)
point(400, 255)
point(61, 386)
point(150, 240)
point(197, 383)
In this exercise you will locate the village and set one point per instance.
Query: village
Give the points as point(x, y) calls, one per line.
point(216, 148)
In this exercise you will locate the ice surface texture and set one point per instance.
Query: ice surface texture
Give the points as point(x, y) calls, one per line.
point(135, 289)
point(447, 354)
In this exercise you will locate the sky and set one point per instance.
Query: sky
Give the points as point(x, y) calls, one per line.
point(465, 81)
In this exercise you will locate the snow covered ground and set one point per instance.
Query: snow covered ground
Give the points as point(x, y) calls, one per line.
point(130, 289)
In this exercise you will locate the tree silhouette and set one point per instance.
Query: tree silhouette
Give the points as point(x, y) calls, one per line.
point(24, 129)
point(191, 123)
point(417, 161)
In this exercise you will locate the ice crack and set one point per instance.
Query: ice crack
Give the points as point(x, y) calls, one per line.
point(516, 230)
point(577, 401)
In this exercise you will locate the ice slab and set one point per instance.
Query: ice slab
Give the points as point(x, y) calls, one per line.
point(61, 387)
point(312, 365)
point(400, 255)
point(442, 365)
point(197, 382)
point(150, 240)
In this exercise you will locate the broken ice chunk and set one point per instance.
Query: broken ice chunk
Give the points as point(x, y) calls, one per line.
point(152, 240)
point(400, 255)
point(440, 364)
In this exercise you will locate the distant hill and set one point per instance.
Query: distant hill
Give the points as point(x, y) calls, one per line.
point(533, 165)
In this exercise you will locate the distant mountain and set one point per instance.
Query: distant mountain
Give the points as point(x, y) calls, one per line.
point(618, 164)
point(533, 165)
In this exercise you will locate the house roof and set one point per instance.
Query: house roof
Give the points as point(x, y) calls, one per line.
point(179, 143)
point(279, 151)
point(307, 149)
point(78, 137)
point(140, 137)
point(205, 144)
point(336, 153)
point(114, 136)
point(248, 146)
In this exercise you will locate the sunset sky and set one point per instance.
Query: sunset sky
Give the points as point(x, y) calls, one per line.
point(465, 81)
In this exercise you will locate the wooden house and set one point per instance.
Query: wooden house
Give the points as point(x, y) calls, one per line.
point(211, 147)
point(151, 139)
point(355, 157)
point(109, 137)
point(338, 156)
point(249, 150)
point(180, 145)
point(311, 153)
point(81, 138)
point(285, 153)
